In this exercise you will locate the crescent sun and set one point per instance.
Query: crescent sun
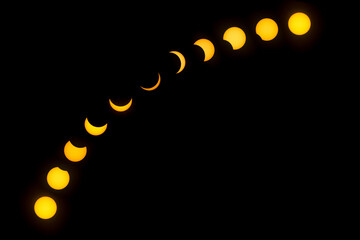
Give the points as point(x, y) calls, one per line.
point(93, 130)
point(120, 108)
point(207, 46)
point(154, 87)
point(182, 60)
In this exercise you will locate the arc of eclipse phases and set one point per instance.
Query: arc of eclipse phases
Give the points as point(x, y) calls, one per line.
point(120, 108)
point(182, 60)
point(46, 207)
point(93, 130)
point(153, 87)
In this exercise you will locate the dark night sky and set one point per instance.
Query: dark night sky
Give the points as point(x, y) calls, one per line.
point(228, 144)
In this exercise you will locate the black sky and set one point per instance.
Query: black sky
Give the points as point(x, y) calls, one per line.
point(229, 144)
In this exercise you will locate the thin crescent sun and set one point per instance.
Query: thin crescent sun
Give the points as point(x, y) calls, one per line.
point(120, 108)
point(154, 87)
point(93, 130)
point(182, 60)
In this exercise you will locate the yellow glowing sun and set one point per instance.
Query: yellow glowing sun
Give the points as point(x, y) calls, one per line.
point(45, 207)
point(267, 29)
point(57, 178)
point(236, 37)
point(299, 23)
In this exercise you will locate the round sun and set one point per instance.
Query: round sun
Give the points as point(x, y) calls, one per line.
point(45, 207)
point(57, 178)
point(299, 23)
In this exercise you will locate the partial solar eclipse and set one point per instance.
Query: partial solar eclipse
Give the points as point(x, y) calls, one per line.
point(207, 46)
point(267, 29)
point(153, 87)
point(119, 108)
point(236, 37)
point(182, 60)
point(57, 178)
point(93, 130)
point(74, 154)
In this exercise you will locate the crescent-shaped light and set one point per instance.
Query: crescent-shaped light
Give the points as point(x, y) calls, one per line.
point(74, 154)
point(207, 46)
point(120, 108)
point(155, 86)
point(93, 130)
point(236, 37)
point(182, 60)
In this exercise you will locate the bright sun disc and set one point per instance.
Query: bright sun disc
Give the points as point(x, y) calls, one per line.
point(299, 23)
point(58, 179)
point(45, 207)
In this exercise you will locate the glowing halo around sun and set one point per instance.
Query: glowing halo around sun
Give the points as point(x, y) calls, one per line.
point(267, 29)
point(153, 87)
point(207, 46)
point(45, 207)
point(119, 108)
point(74, 154)
point(95, 131)
point(236, 37)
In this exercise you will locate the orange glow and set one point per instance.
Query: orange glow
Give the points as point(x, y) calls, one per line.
point(74, 154)
point(58, 179)
point(299, 23)
point(120, 108)
point(236, 37)
point(95, 131)
point(182, 60)
point(155, 86)
point(267, 29)
point(207, 46)
point(45, 207)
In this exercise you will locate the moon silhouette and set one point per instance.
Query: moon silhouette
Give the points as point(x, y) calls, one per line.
point(236, 37)
point(74, 154)
point(207, 46)
point(93, 130)
point(154, 87)
point(182, 60)
point(120, 108)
